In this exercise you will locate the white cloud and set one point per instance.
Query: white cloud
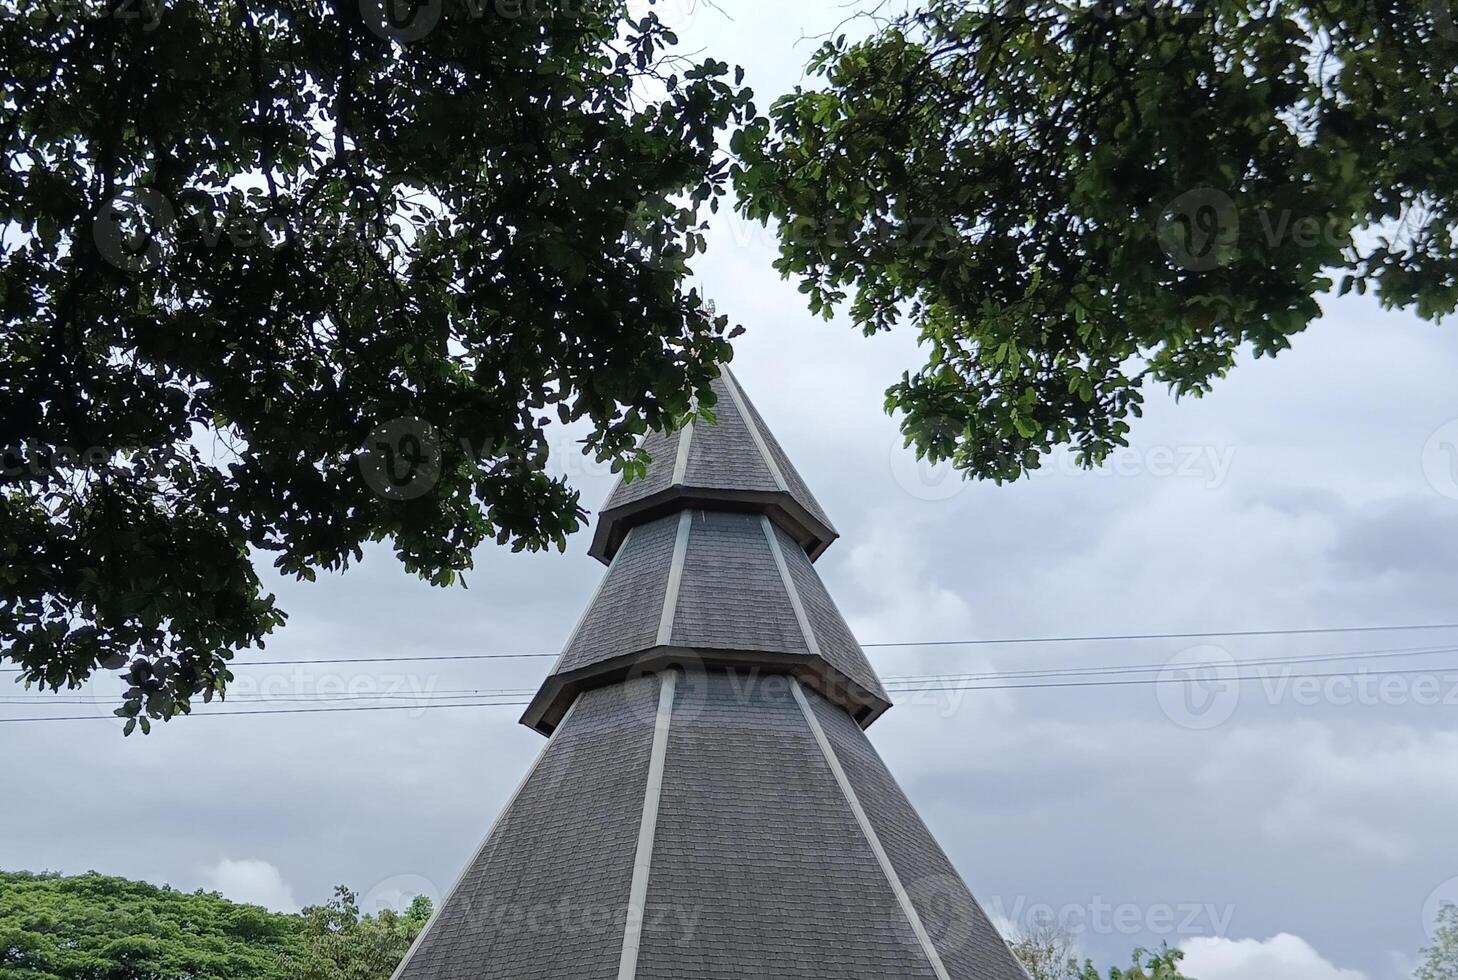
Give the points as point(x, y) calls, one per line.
point(252, 881)
point(1282, 957)
point(1328, 785)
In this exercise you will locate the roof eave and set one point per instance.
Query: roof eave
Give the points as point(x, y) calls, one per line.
point(551, 703)
point(808, 531)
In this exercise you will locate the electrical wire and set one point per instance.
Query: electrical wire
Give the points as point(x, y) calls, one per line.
point(1383, 654)
point(1307, 631)
point(893, 683)
point(1165, 636)
point(1239, 679)
point(906, 683)
point(1125, 682)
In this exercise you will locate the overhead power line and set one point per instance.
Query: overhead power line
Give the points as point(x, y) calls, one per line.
point(1123, 682)
point(892, 682)
point(981, 641)
point(1383, 654)
point(1165, 636)
point(369, 660)
point(41, 699)
point(1238, 679)
point(288, 711)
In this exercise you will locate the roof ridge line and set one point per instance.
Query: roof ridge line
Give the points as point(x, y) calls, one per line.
point(647, 829)
point(675, 578)
point(806, 630)
point(680, 462)
point(869, 831)
point(732, 383)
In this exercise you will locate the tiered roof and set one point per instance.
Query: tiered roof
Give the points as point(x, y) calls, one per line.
point(707, 805)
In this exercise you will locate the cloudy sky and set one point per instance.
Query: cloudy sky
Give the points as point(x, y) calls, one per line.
point(1295, 829)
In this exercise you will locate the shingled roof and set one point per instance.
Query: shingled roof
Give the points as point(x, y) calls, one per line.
point(708, 805)
point(734, 463)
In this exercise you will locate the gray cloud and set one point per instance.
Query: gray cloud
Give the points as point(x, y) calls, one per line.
point(1331, 822)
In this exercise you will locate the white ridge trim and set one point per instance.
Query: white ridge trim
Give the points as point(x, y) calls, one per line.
point(789, 583)
point(675, 579)
point(481, 849)
point(866, 828)
point(764, 452)
point(680, 462)
point(582, 618)
point(647, 829)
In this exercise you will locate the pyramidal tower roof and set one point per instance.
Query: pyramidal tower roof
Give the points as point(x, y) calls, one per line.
point(707, 804)
point(733, 464)
point(709, 563)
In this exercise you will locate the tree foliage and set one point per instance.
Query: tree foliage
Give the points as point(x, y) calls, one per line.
point(91, 926)
point(292, 276)
point(94, 927)
point(1440, 960)
point(1163, 965)
point(1047, 953)
point(1050, 953)
point(342, 944)
point(1071, 199)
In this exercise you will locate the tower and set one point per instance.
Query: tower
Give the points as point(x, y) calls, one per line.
point(707, 805)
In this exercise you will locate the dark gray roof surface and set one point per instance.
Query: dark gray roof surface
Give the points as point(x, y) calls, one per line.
point(732, 596)
point(730, 820)
point(729, 596)
point(968, 942)
point(543, 899)
point(662, 448)
point(793, 482)
point(762, 852)
point(726, 453)
point(623, 616)
point(757, 849)
point(734, 463)
point(837, 643)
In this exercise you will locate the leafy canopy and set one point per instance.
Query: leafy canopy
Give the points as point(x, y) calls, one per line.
point(1049, 952)
point(339, 943)
point(92, 926)
point(1069, 199)
point(292, 276)
point(88, 926)
point(1440, 960)
point(1163, 965)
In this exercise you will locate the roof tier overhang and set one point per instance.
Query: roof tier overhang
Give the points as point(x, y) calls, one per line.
point(711, 589)
point(710, 565)
point(707, 804)
point(704, 824)
point(555, 698)
point(733, 464)
point(809, 532)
